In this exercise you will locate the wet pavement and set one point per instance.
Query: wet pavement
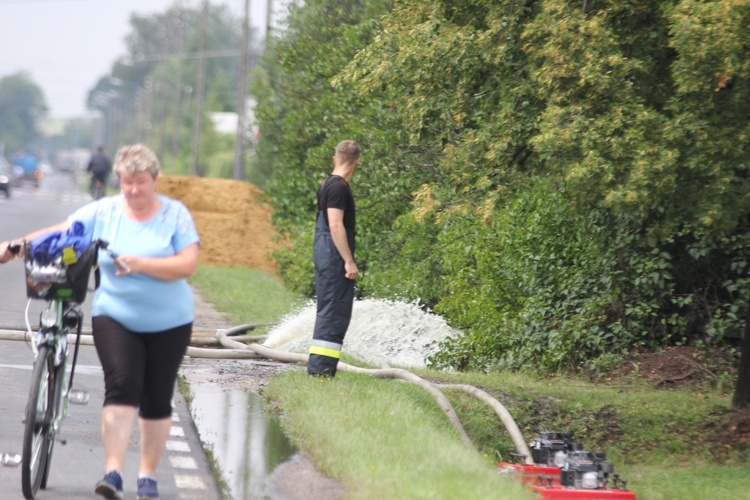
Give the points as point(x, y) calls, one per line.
point(246, 442)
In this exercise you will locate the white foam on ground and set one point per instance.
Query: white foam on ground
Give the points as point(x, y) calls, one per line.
point(399, 333)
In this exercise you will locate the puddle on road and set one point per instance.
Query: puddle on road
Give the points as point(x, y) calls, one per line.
point(246, 442)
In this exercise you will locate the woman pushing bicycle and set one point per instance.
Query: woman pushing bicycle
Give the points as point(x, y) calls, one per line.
point(142, 313)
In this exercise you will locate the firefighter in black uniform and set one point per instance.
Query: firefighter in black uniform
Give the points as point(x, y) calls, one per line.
point(335, 269)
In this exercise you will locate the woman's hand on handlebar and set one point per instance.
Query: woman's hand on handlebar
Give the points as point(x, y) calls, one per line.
point(9, 250)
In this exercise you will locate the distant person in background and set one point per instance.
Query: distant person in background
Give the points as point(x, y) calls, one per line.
point(28, 163)
point(335, 269)
point(100, 167)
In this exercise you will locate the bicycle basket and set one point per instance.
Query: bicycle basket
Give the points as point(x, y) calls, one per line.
point(57, 280)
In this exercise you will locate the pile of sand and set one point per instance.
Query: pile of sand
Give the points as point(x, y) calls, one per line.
point(233, 221)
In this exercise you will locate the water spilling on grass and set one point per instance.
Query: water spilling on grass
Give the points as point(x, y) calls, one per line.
point(381, 331)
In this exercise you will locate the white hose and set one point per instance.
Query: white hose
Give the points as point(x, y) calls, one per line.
point(234, 349)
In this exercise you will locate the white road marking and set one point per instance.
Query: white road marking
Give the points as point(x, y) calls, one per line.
point(181, 462)
point(178, 446)
point(66, 198)
point(176, 431)
point(189, 482)
point(80, 369)
point(19, 367)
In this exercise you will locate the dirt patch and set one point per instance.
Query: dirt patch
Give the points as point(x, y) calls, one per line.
point(232, 218)
point(247, 375)
point(726, 432)
point(674, 367)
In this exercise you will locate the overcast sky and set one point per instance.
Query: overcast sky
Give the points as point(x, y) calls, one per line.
point(67, 45)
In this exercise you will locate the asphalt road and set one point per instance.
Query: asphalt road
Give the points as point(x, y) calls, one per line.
point(184, 471)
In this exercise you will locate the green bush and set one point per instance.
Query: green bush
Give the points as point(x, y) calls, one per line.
point(545, 285)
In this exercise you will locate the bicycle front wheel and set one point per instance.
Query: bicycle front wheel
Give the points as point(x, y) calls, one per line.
point(57, 401)
point(38, 431)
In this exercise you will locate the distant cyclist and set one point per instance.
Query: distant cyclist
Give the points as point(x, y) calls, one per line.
point(100, 167)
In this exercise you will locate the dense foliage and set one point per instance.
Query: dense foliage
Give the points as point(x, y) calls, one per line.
point(565, 181)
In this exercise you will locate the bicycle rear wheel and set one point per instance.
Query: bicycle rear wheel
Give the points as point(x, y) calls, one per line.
point(99, 190)
point(38, 431)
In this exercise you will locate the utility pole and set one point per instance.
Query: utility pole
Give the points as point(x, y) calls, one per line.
point(239, 143)
point(164, 34)
point(181, 21)
point(148, 109)
point(196, 170)
point(269, 13)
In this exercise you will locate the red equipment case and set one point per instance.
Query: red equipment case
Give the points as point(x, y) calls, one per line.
point(544, 480)
point(557, 492)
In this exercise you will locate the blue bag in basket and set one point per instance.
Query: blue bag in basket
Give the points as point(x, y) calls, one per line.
point(46, 248)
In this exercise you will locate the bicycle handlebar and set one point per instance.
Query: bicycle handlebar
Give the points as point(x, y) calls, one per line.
point(15, 247)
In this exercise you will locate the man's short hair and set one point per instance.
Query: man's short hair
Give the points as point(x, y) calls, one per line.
point(347, 151)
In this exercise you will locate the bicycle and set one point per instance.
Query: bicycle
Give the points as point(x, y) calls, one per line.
point(98, 189)
point(64, 286)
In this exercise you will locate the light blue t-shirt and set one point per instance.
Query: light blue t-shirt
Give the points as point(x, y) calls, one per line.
point(139, 302)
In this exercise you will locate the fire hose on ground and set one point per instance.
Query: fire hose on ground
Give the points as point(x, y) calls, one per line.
point(232, 344)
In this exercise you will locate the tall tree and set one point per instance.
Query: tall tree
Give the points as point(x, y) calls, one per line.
point(22, 106)
point(149, 93)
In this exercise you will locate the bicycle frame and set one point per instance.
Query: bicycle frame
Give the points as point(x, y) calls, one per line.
point(66, 314)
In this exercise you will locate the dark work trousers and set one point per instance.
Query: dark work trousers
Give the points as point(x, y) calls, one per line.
point(335, 299)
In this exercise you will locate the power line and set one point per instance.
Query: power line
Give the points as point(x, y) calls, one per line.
point(205, 54)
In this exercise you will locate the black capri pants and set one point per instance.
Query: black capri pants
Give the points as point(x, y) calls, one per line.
point(140, 369)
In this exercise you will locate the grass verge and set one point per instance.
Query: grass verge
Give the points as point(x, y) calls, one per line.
point(245, 295)
point(384, 439)
point(387, 439)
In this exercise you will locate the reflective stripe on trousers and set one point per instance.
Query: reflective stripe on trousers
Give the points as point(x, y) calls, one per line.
point(323, 348)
